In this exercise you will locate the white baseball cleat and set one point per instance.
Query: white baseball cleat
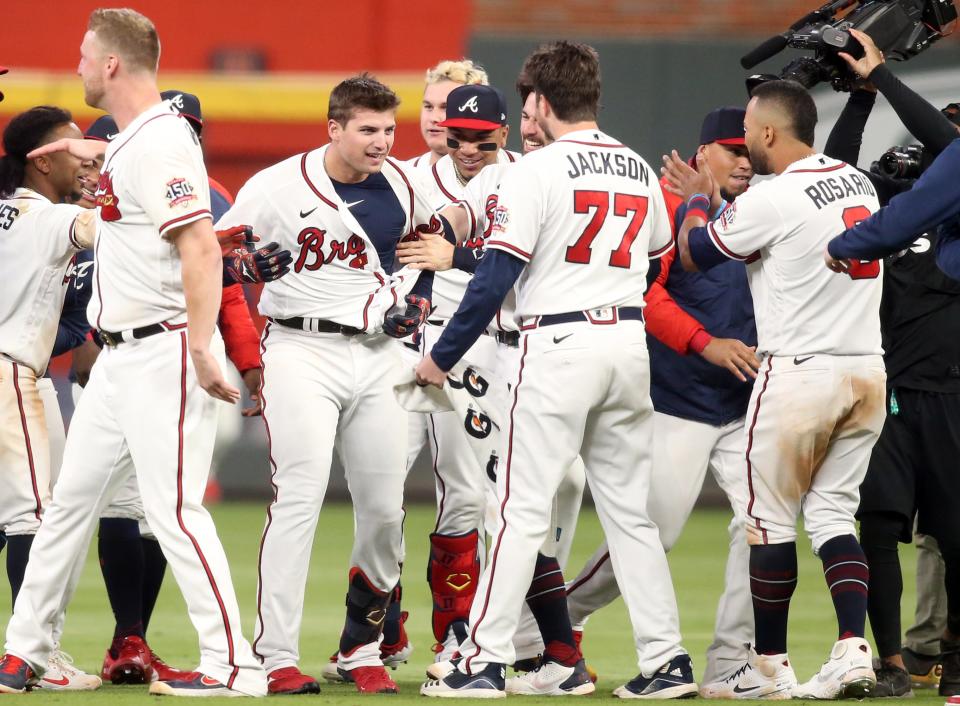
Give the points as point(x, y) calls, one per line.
point(61, 675)
point(760, 677)
point(552, 679)
point(438, 670)
point(848, 674)
point(486, 684)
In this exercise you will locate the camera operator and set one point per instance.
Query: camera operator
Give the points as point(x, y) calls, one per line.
point(912, 469)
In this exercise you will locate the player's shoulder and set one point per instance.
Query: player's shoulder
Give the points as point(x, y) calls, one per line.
point(279, 176)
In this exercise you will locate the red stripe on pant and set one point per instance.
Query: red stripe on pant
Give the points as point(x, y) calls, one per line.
point(436, 472)
point(503, 520)
point(273, 472)
point(578, 583)
point(753, 423)
point(26, 438)
point(183, 527)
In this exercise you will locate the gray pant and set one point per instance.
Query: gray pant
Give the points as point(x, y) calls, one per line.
point(931, 614)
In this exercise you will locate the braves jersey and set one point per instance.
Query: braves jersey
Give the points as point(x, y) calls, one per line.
point(585, 213)
point(38, 240)
point(337, 275)
point(153, 181)
point(421, 164)
point(450, 285)
point(781, 228)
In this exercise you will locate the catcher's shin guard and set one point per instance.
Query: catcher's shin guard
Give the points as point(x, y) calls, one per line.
point(452, 573)
point(366, 611)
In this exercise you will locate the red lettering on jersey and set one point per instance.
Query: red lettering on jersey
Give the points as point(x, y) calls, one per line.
point(489, 210)
point(434, 226)
point(860, 269)
point(312, 256)
point(106, 199)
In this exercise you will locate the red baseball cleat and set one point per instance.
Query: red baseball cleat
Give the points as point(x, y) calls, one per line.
point(127, 662)
point(290, 680)
point(161, 671)
point(371, 680)
point(16, 676)
point(578, 638)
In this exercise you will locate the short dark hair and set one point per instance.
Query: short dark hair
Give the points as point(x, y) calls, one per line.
point(360, 92)
point(568, 76)
point(524, 86)
point(23, 134)
point(793, 101)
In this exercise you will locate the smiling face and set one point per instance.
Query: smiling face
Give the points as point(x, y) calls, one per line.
point(468, 157)
point(530, 132)
point(730, 166)
point(63, 171)
point(363, 143)
point(433, 110)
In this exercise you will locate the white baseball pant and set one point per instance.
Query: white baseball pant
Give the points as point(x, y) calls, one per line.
point(142, 402)
point(587, 395)
point(323, 391)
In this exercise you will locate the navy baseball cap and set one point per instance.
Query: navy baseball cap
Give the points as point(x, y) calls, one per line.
point(476, 107)
point(723, 126)
point(187, 104)
point(103, 128)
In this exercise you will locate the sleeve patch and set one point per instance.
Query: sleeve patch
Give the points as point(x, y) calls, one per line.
point(179, 192)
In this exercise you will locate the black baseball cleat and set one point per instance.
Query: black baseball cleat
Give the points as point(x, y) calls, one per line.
point(490, 683)
point(192, 684)
point(16, 676)
point(674, 680)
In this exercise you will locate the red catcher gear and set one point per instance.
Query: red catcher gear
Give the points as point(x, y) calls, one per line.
point(452, 573)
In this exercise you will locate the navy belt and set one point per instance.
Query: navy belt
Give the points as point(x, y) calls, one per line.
point(317, 326)
point(626, 313)
point(511, 339)
point(115, 339)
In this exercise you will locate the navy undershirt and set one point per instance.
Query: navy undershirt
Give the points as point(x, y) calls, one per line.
point(374, 204)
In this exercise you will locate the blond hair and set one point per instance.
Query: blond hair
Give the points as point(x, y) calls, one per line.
point(128, 34)
point(464, 72)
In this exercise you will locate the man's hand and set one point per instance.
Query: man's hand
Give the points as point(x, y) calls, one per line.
point(685, 181)
point(839, 266)
point(251, 380)
point(264, 264)
point(733, 355)
point(211, 378)
point(405, 318)
point(429, 374)
point(431, 252)
point(236, 238)
point(85, 150)
point(84, 356)
point(871, 59)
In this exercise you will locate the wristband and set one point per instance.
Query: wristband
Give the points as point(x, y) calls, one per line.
point(699, 202)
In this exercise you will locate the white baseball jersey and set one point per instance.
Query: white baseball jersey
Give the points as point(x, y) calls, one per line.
point(336, 274)
point(38, 239)
point(142, 195)
point(587, 230)
point(450, 285)
point(781, 228)
point(421, 164)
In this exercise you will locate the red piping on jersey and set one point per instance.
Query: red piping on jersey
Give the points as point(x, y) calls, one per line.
point(508, 246)
point(723, 248)
point(187, 216)
point(96, 273)
point(593, 144)
point(409, 191)
point(817, 171)
point(173, 327)
point(596, 567)
point(657, 253)
point(26, 438)
point(72, 234)
point(503, 521)
point(510, 156)
point(183, 527)
point(303, 171)
point(273, 473)
point(129, 139)
point(753, 423)
point(436, 176)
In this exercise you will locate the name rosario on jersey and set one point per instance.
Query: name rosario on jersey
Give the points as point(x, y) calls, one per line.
point(826, 191)
point(312, 256)
point(621, 165)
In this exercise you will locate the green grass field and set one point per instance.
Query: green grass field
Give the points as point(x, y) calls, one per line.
point(697, 563)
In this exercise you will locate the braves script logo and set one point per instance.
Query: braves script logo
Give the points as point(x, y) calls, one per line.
point(106, 199)
point(77, 271)
point(489, 211)
point(470, 105)
point(312, 256)
point(179, 191)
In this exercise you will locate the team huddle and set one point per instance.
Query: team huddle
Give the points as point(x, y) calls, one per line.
point(541, 320)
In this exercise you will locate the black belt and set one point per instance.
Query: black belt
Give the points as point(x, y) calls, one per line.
point(510, 339)
point(317, 326)
point(626, 313)
point(115, 339)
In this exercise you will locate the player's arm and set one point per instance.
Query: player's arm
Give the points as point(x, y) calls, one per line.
point(242, 342)
point(948, 250)
point(934, 199)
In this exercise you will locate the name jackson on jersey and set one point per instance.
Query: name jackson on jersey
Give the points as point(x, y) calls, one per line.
point(621, 165)
point(826, 191)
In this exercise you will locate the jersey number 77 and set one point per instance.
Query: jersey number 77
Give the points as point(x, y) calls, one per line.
point(624, 205)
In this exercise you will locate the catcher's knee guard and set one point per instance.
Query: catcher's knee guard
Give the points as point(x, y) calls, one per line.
point(366, 612)
point(452, 573)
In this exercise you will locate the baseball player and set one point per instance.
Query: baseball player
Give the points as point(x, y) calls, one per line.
point(700, 330)
point(152, 395)
point(818, 405)
point(329, 370)
point(41, 236)
point(581, 262)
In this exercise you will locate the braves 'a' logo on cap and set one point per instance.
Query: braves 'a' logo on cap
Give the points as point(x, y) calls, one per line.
point(107, 200)
point(471, 105)
point(177, 101)
point(477, 424)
